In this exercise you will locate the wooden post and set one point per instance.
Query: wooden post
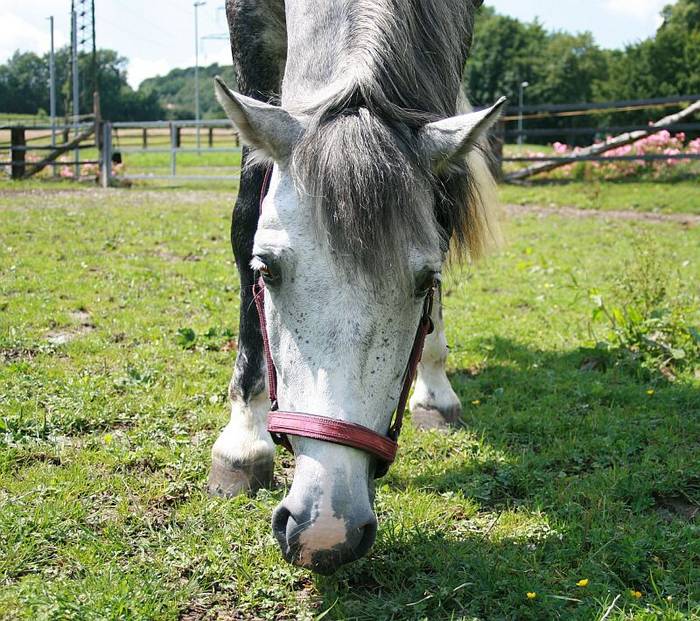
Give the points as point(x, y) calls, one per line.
point(211, 137)
point(496, 142)
point(98, 119)
point(144, 137)
point(106, 168)
point(174, 134)
point(178, 136)
point(18, 153)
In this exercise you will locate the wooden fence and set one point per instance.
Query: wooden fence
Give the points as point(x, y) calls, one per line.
point(603, 137)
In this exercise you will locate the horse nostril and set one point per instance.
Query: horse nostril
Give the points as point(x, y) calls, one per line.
point(361, 539)
point(280, 521)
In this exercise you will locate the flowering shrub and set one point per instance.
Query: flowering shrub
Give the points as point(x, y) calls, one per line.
point(660, 143)
point(67, 169)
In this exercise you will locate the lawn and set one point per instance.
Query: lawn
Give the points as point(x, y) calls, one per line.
point(680, 196)
point(572, 481)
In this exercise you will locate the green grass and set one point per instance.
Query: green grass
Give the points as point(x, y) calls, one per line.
point(637, 195)
point(559, 474)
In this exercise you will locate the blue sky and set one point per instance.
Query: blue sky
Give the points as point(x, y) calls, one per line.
point(158, 35)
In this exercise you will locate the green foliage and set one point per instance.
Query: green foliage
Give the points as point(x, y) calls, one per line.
point(560, 67)
point(649, 317)
point(175, 91)
point(567, 68)
point(24, 86)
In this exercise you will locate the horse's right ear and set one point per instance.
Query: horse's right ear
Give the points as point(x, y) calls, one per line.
point(266, 128)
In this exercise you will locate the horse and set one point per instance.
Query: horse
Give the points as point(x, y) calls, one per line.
point(363, 166)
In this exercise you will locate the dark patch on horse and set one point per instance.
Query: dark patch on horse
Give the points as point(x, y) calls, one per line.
point(255, 26)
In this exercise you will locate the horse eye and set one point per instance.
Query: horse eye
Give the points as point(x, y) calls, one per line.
point(425, 281)
point(267, 271)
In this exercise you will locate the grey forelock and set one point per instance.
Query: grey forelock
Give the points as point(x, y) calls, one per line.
point(400, 68)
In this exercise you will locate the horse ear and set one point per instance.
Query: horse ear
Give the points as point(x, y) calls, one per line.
point(269, 129)
point(452, 139)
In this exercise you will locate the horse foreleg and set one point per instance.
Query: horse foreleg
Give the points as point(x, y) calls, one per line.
point(242, 456)
point(434, 403)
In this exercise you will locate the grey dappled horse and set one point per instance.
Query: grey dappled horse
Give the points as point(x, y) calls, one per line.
point(354, 103)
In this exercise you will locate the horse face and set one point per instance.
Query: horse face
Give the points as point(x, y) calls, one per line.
point(340, 342)
point(340, 346)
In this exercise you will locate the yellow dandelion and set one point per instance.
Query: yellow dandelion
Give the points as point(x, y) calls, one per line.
point(636, 594)
point(531, 595)
point(476, 402)
point(108, 438)
point(582, 583)
point(651, 392)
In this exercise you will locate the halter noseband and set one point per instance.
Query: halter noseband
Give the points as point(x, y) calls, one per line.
point(282, 424)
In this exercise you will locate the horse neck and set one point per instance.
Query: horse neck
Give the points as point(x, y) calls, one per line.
point(406, 55)
point(317, 35)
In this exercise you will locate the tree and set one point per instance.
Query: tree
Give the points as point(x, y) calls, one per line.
point(664, 65)
point(24, 86)
point(504, 54)
point(175, 91)
point(560, 67)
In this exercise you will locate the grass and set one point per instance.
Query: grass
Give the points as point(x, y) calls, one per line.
point(106, 423)
point(638, 195)
point(645, 194)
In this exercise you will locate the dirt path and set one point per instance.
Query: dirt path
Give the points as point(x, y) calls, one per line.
point(685, 219)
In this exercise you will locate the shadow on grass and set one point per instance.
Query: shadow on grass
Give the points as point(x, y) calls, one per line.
point(573, 473)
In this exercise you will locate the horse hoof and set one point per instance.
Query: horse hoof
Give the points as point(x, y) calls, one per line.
point(229, 480)
point(427, 418)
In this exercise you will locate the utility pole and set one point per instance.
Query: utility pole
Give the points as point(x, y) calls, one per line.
point(197, 111)
point(76, 82)
point(52, 90)
point(523, 86)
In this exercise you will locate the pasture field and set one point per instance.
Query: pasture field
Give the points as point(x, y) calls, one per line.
point(572, 491)
point(647, 196)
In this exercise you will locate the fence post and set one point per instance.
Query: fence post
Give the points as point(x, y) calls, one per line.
point(144, 137)
point(174, 136)
point(211, 137)
point(106, 172)
point(18, 153)
point(497, 140)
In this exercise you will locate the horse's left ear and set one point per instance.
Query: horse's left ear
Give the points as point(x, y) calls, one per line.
point(269, 129)
point(452, 139)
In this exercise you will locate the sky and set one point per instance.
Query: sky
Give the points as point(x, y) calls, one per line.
point(157, 35)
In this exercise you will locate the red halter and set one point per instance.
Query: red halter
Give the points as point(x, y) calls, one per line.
point(280, 424)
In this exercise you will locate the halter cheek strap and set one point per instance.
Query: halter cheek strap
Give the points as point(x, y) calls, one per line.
point(283, 424)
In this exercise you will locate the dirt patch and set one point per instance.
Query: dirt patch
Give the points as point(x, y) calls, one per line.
point(84, 326)
point(688, 220)
point(672, 507)
point(215, 607)
point(18, 354)
point(61, 337)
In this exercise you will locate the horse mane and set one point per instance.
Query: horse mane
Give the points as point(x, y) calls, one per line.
point(360, 161)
